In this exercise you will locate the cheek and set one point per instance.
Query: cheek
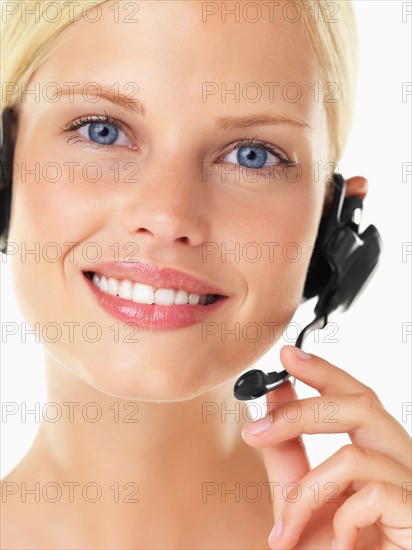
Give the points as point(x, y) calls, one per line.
point(275, 245)
point(48, 216)
point(57, 200)
point(52, 211)
point(268, 248)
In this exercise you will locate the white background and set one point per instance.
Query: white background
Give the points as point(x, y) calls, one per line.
point(370, 344)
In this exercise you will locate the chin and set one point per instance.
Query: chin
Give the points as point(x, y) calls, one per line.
point(164, 367)
point(155, 378)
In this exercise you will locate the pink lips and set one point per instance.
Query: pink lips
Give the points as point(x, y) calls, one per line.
point(153, 316)
point(165, 277)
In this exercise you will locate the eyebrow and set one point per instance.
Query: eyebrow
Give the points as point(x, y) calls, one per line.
point(223, 123)
point(260, 119)
point(112, 95)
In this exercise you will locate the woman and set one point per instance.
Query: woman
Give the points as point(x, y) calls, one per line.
point(146, 109)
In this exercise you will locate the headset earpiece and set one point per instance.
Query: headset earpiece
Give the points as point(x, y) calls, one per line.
point(343, 259)
point(6, 173)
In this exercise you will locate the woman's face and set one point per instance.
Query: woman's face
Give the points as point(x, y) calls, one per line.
point(169, 188)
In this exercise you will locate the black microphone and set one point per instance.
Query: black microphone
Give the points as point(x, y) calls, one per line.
point(255, 383)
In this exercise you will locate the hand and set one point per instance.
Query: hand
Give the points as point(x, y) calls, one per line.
point(360, 497)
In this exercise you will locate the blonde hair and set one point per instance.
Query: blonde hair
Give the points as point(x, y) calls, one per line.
point(332, 36)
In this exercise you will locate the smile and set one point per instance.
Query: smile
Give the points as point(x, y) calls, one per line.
point(147, 294)
point(149, 307)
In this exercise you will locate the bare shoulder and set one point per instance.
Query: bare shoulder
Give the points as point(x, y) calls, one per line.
point(240, 515)
point(27, 528)
point(245, 526)
point(12, 517)
point(23, 517)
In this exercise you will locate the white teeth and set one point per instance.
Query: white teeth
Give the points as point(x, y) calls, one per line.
point(113, 286)
point(164, 296)
point(181, 297)
point(142, 294)
point(194, 299)
point(125, 290)
point(103, 284)
point(145, 294)
point(96, 280)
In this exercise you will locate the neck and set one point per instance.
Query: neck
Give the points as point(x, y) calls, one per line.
point(184, 451)
point(99, 433)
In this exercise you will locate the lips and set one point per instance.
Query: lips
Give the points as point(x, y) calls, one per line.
point(165, 277)
point(154, 316)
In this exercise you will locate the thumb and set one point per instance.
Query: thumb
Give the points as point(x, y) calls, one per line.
point(286, 462)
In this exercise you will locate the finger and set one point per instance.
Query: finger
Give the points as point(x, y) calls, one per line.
point(284, 461)
point(380, 503)
point(358, 414)
point(331, 380)
point(350, 467)
point(320, 374)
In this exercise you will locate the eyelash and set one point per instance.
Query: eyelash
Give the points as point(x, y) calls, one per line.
point(83, 121)
point(246, 142)
point(269, 170)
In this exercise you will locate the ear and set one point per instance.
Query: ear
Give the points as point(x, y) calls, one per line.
point(357, 185)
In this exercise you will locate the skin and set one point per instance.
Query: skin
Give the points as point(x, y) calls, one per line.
point(172, 375)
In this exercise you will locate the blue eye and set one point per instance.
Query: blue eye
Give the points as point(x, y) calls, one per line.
point(256, 155)
point(252, 157)
point(102, 131)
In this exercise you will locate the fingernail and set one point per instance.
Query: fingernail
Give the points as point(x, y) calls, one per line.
point(300, 353)
point(277, 529)
point(259, 426)
point(334, 544)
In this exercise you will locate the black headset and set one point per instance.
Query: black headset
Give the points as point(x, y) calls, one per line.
point(341, 265)
point(6, 173)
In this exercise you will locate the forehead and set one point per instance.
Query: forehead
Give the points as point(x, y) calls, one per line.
point(189, 54)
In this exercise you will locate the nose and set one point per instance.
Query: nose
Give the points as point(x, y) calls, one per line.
point(168, 203)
